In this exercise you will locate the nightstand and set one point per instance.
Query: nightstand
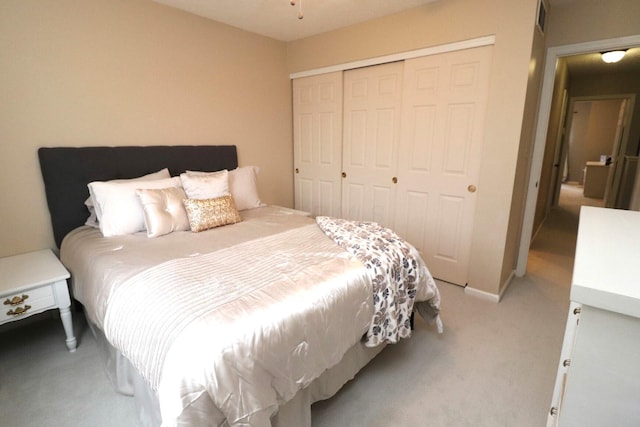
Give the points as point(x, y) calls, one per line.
point(32, 283)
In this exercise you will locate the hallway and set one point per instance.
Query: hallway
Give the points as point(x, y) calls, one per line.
point(553, 248)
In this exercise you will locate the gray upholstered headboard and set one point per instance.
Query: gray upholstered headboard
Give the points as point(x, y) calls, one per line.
point(66, 171)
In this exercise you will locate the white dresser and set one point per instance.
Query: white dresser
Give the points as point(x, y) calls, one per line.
point(598, 382)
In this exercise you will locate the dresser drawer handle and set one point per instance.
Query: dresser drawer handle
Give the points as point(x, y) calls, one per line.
point(566, 362)
point(18, 311)
point(577, 310)
point(16, 300)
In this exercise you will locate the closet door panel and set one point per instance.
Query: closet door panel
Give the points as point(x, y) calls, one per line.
point(444, 103)
point(354, 205)
point(327, 196)
point(372, 104)
point(303, 194)
point(458, 140)
point(317, 129)
point(449, 226)
point(420, 144)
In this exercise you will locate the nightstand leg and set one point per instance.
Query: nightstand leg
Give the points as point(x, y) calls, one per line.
point(67, 323)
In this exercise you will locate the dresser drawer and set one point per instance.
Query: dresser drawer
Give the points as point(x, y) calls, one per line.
point(31, 302)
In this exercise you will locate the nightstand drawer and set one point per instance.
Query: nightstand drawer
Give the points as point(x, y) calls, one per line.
point(26, 303)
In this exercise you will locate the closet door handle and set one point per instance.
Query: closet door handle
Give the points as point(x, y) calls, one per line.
point(344, 174)
point(297, 170)
point(471, 188)
point(394, 180)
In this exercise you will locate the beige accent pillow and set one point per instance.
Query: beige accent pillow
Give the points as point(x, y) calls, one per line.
point(205, 185)
point(164, 211)
point(210, 213)
point(118, 207)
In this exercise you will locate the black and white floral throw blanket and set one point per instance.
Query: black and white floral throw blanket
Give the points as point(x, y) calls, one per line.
point(399, 277)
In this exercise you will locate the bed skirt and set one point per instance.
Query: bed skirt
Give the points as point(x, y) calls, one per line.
point(296, 412)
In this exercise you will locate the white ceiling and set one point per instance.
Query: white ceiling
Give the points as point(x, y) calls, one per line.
point(278, 19)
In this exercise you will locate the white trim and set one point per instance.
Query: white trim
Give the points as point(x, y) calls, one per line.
point(482, 294)
point(488, 295)
point(443, 48)
point(546, 96)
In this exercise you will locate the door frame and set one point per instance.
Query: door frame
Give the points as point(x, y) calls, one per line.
point(557, 171)
point(434, 50)
point(540, 135)
point(620, 149)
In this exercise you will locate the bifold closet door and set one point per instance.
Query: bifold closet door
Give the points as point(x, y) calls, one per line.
point(444, 105)
point(317, 146)
point(371, 134)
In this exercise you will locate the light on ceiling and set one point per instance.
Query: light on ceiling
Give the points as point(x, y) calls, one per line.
point(613, 56)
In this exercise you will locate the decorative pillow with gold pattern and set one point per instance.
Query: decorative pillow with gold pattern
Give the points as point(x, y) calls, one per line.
point(210, 213)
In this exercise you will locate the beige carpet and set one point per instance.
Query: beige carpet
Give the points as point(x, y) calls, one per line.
point(494, 365)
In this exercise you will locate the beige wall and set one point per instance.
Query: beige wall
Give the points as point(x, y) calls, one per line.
point(131, 72)
point(521, 180)
point(444, 22)
point(613, 84)
point(581, 21)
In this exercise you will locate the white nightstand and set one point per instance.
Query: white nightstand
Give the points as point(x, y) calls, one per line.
point(32, 283)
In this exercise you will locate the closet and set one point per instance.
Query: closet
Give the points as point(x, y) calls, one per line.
point(400, 144)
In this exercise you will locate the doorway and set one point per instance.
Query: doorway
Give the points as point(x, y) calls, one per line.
point(589, 155)
point(544, 111)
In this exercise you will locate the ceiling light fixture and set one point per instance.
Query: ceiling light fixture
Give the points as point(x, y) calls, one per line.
point(300, 14)
point(613, 56)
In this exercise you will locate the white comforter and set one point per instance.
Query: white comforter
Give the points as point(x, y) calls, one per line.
point(248, 321)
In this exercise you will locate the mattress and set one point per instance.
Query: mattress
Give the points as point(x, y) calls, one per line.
point(242, 319)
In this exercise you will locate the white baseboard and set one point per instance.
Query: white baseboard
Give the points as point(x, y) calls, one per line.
point(488, 295)
point(482, 294)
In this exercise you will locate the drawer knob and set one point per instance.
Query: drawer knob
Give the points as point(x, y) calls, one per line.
point(18, 311)
point(577, 310)
point(554, 411)
point(16, 300)
point(566, 362)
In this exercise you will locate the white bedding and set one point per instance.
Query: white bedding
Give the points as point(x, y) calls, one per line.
point(247, 314)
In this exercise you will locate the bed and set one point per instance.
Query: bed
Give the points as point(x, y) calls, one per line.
point(245, 322)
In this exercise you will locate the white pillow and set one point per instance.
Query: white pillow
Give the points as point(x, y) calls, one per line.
point(243, 184)
point(205, 185)
point(92, 221)
point(164, 210)
point(118, 208)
